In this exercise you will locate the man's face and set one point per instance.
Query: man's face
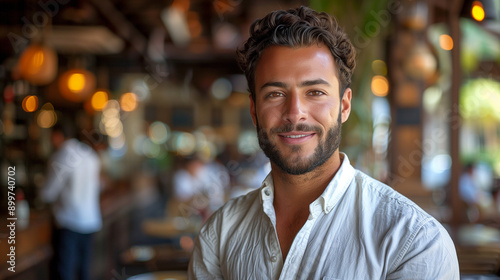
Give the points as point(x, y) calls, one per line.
point(297, 110)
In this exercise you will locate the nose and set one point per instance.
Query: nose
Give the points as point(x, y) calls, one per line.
point(295, 109)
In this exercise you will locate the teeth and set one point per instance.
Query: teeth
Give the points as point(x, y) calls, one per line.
point(295, 136)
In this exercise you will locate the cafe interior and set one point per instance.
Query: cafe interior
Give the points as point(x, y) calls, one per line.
point(155, 88)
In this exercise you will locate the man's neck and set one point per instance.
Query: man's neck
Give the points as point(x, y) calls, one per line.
point(294, 193)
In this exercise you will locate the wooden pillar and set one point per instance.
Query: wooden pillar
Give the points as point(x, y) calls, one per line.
point(454, 116)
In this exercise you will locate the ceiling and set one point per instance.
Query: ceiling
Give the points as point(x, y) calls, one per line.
point(130, 36)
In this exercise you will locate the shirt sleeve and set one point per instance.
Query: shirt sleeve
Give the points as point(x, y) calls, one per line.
point(428, 254)
point(205, 260)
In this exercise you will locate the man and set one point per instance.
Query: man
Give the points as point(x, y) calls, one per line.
point(315, 216)
point(73, 189)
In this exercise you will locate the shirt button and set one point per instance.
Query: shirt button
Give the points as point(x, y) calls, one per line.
point(274, 258)
point(267, 192)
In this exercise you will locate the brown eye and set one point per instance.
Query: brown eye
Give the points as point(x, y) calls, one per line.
point(275, 94)
point(316, 93)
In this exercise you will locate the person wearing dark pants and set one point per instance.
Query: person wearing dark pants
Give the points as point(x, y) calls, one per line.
point(72, 254)
point(73, 189)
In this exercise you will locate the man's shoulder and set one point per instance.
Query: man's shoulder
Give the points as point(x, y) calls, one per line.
point(381, 190)
point(386, 200)
point(397, 217)
point(233, 212)
point(240, 205)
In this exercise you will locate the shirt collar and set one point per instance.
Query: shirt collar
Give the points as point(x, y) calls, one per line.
point(332, 194)
point(338, 185)
point(267, 189)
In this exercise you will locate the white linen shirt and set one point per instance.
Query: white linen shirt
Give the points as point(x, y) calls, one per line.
point(73, 187)
point(358, 228)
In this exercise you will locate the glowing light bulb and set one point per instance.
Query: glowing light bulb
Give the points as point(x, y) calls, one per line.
point(477, 11)
point(128, 102)
point(76, 82)
point(99, 100)
point(30, 103)
point(380, 85)
point(446, 42)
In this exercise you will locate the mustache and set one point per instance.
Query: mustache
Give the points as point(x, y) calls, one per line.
point(296, 127)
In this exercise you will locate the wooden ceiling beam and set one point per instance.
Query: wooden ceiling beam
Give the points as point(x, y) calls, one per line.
point(121, 25)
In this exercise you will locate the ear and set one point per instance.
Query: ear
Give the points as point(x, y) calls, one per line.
point(252, 110)
point(346, 104)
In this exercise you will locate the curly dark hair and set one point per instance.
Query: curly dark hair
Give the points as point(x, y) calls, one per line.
point(294, 28)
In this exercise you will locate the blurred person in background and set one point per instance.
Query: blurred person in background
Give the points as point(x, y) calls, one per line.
point(199, 185)
point(315, 216)
point(479, 202)
point(249, 173)
point(73, 189)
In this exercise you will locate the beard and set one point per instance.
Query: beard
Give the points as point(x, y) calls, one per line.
point(300, 165)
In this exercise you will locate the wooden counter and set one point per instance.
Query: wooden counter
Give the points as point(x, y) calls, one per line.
point(32, 246)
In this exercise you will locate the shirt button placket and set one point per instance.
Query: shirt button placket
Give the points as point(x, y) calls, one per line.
point(274, 258)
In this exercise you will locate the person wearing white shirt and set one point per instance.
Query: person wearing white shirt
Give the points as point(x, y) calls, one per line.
point(315, 216)
point(73, 189)
point(200, 185)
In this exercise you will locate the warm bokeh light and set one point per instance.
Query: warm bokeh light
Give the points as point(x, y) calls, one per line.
point(111, 109)
point(99, 100)
point(30, 103)
point(128, 102)
point(446, 42)
point(47, 117)
point(77, 85)
point(37, 61)
point(110, 122)
point(379, 67)
point(380, 85)
point(114, 130)
point(76, 82)
point(38, 65)
point(158, 132)
point(420, 63)
point(477, 11)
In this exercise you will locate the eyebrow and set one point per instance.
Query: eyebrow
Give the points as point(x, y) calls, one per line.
point(303, 84)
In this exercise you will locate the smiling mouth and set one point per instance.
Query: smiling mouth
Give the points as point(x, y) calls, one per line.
point(296, 136)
